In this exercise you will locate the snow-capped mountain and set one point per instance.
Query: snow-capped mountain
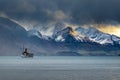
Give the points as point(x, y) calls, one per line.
point(80, 34)
point(98, 36)
point(65, 41)
point(69, 35)
point(58, 27)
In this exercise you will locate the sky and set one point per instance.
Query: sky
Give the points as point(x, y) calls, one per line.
point(104, 14)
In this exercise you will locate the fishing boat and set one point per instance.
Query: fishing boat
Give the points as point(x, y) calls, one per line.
point(26, 54)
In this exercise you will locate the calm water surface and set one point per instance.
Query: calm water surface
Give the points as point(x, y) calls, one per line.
point(59, 68)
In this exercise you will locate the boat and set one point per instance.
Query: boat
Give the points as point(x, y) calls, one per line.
point(26, 54)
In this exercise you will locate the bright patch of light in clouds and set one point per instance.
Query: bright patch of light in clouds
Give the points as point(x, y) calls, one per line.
point(110, 29)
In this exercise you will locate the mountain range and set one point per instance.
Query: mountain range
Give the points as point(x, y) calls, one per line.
point(65, 41)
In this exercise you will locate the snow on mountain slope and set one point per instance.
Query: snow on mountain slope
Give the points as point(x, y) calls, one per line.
point(98, 36)
point(34, 32)
point(69, 35)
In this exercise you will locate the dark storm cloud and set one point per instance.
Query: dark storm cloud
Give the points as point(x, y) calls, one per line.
point(79, 11)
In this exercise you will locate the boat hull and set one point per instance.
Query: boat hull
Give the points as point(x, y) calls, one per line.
point(27, 56)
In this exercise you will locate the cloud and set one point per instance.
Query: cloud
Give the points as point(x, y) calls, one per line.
point(111, 29)
point(60, 15)
point(2, 14)
point(69, 11)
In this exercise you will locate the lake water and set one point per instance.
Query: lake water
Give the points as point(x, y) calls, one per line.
point(59, 68)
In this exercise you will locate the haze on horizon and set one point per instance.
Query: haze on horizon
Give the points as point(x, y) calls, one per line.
point(103, 14)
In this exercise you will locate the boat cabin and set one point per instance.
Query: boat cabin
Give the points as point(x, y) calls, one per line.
point(26, 53)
